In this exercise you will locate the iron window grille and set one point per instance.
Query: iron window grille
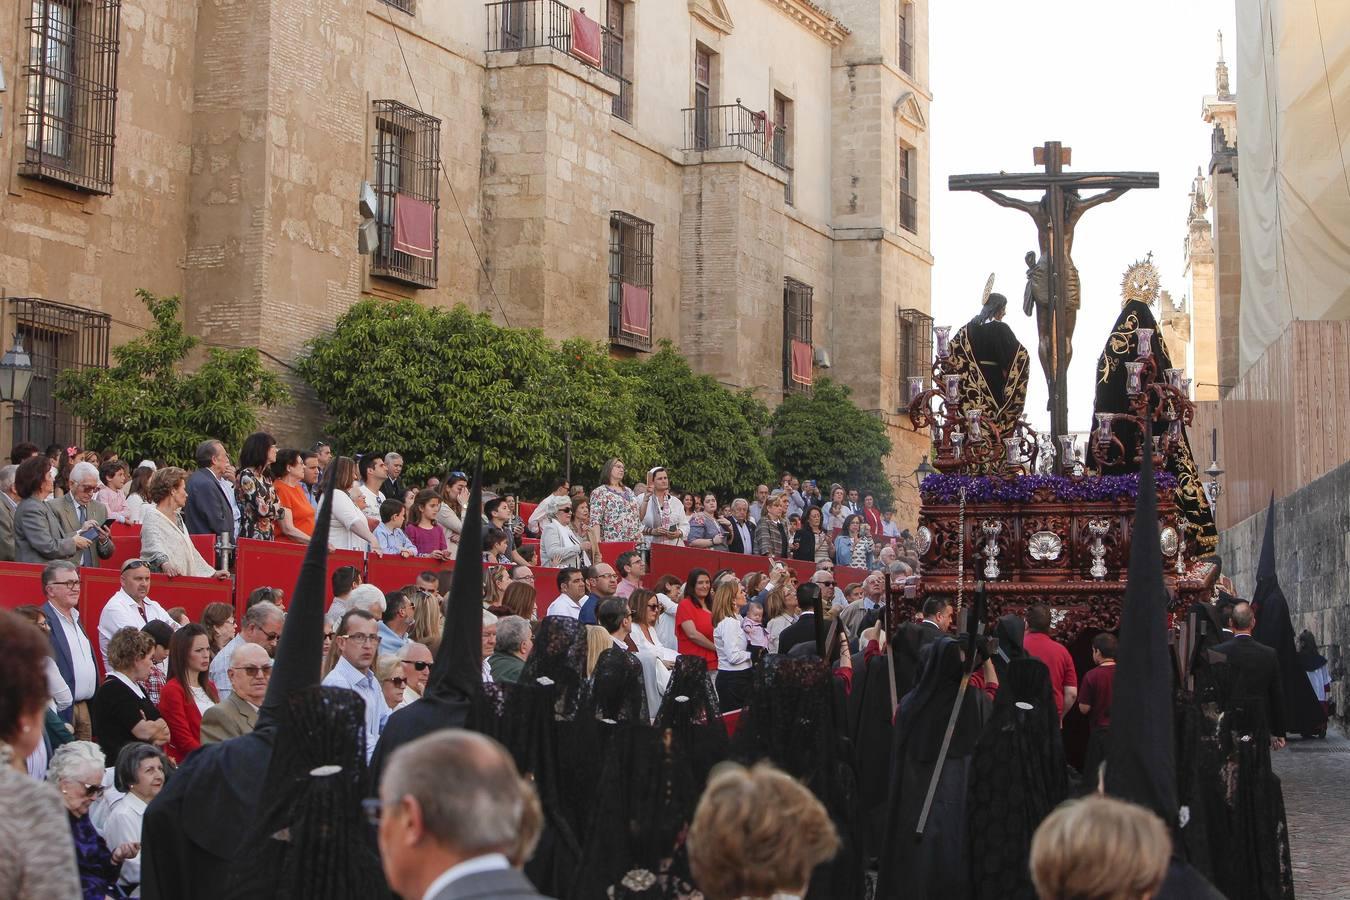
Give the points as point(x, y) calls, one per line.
point(58, 338)
point(69, 115)
point(630, 262)
point(407, 6)
point(407, 157)
point(797, 306)
point(908, 200)
point(914, 348)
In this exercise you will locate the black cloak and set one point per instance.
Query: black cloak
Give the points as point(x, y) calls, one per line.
point(1303, 713)
point(1111, 397)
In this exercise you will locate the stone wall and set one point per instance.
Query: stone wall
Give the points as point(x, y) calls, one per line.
point(1312, 553)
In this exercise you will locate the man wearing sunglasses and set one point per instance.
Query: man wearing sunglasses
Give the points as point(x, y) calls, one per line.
point(250, 671)
point(262, 626)
point(416, 659)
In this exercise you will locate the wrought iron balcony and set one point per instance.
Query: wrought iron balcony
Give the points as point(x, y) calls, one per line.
point(733, 125)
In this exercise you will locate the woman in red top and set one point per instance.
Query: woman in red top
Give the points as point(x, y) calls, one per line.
point(693, 619)
point(872, 515)
point(189, 692)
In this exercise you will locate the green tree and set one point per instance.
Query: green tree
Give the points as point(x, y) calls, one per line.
point(823, 435)
point(428, 382)
point(146, 406)
point(708, 436)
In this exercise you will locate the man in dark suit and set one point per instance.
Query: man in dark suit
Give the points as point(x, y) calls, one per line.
point(803, 630)
point(9, 502)
point(742, 528)
point(912, 638)
point(71, 649)
point(451, 819)
point(1256, 668)
point(78, 508)
point(208, 511)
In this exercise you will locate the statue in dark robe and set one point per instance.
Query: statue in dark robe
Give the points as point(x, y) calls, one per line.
point(1140, 291)
point(993, 366)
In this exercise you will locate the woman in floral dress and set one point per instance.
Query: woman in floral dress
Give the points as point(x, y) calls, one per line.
point(259, 511)
point(614, 507)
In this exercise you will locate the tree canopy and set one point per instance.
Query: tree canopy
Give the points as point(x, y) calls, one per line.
point(146, 406)
point(823, 435)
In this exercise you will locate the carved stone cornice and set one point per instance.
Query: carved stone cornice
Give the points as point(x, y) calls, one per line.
point(818, 20)
point(712, 13)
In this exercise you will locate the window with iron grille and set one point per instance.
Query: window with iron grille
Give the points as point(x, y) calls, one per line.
point(407, 6)
point(69, 115)
point(630, 280)
point(407, 157)
point(906, 56)
point(906, 163)
point(797, 301)
point(57, 337)
point(914, 346)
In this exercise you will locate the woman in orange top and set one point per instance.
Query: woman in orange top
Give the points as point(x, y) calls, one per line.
point(288, 474)
point(188, 693)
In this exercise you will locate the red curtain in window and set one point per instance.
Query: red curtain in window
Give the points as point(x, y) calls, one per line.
point(585, 38)
point(635, 310)
point(801, 362)
point(414, 227)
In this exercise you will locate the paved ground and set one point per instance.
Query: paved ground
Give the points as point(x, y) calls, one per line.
point(1316, 780)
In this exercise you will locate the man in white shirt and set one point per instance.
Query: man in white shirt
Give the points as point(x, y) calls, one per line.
point(70, 646)
point(572, 585)
point(374, 471)
point(261, 625)
point(130, 607)
point(450, 811)
point(359, 642)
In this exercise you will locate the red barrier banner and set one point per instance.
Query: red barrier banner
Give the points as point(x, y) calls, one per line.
point(21, 585)
point(277, 564)
point(127, 545)
point(610, 551)
point(677, 561)
point(389, 573)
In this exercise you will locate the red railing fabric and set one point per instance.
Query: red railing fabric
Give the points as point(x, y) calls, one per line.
point(277, 564)
point(677, 561)
point(585, 38)
point(414, 227)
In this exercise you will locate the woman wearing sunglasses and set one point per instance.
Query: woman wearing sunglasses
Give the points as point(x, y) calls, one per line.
point(77, 772)
point(389, 671)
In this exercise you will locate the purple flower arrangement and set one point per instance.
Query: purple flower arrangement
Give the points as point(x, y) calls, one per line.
point(939, 488)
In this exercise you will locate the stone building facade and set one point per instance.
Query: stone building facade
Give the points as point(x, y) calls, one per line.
point(758, 169)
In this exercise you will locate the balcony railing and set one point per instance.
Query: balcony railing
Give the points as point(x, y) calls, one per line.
point(733, 125)
point(525, 24)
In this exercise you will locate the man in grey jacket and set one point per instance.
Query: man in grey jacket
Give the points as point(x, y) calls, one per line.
point(452, 820)
point(9, 501)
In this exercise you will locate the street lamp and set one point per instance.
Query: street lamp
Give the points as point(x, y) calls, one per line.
point(1214, 490)
point(16, 373)
point(922, 471)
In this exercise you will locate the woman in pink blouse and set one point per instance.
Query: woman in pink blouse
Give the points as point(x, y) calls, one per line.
point(614, 507)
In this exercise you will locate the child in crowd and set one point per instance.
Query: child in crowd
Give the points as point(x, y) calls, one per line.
point(389, 533)
point(755, 635)
point(422, 530)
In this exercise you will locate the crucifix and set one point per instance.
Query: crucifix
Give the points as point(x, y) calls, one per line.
point(1052, 281)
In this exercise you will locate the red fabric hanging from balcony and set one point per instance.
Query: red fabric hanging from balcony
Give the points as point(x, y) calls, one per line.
point(635, 310)
point(585, 38)
point(801, 362)
point(414, 227)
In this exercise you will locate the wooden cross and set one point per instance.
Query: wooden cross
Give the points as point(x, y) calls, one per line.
point(1055, 214)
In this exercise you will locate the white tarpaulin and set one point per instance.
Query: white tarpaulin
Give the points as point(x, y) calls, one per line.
point(1293, 91)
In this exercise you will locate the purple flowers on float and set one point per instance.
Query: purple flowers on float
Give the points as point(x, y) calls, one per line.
point(939, 488)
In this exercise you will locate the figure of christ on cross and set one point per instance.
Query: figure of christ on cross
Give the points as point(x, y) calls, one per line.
point(1052, 280)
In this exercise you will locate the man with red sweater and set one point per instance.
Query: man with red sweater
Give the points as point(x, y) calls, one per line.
point(1095, 699)
point(1063, 677)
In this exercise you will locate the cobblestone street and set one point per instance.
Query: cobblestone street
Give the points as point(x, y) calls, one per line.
point(1315, 775)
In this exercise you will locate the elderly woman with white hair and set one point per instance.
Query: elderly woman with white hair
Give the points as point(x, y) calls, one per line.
point(76, 770)
point(165, 542)
point(559, 546)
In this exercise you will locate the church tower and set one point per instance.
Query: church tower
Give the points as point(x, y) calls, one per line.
point(1220, 110)
point(1202, 364)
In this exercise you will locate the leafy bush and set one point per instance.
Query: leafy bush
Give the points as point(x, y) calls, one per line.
point(144, 406)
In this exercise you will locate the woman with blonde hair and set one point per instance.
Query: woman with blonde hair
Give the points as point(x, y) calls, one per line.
point(498, 580)
point(428, 620)
point(758, 833)
point(1099, 848)
point(597, 642)
point(519, 599)
point(165, 543)
point(733, 651)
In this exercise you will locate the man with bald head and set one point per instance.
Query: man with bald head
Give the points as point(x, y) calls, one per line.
point(416, 659)
point(250, 670)
point(1256, 672)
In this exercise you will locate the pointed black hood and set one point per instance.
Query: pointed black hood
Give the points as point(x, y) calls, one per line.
point(1140, 766)
point(457, 671)
point(299, 656)
point(1303, 712)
